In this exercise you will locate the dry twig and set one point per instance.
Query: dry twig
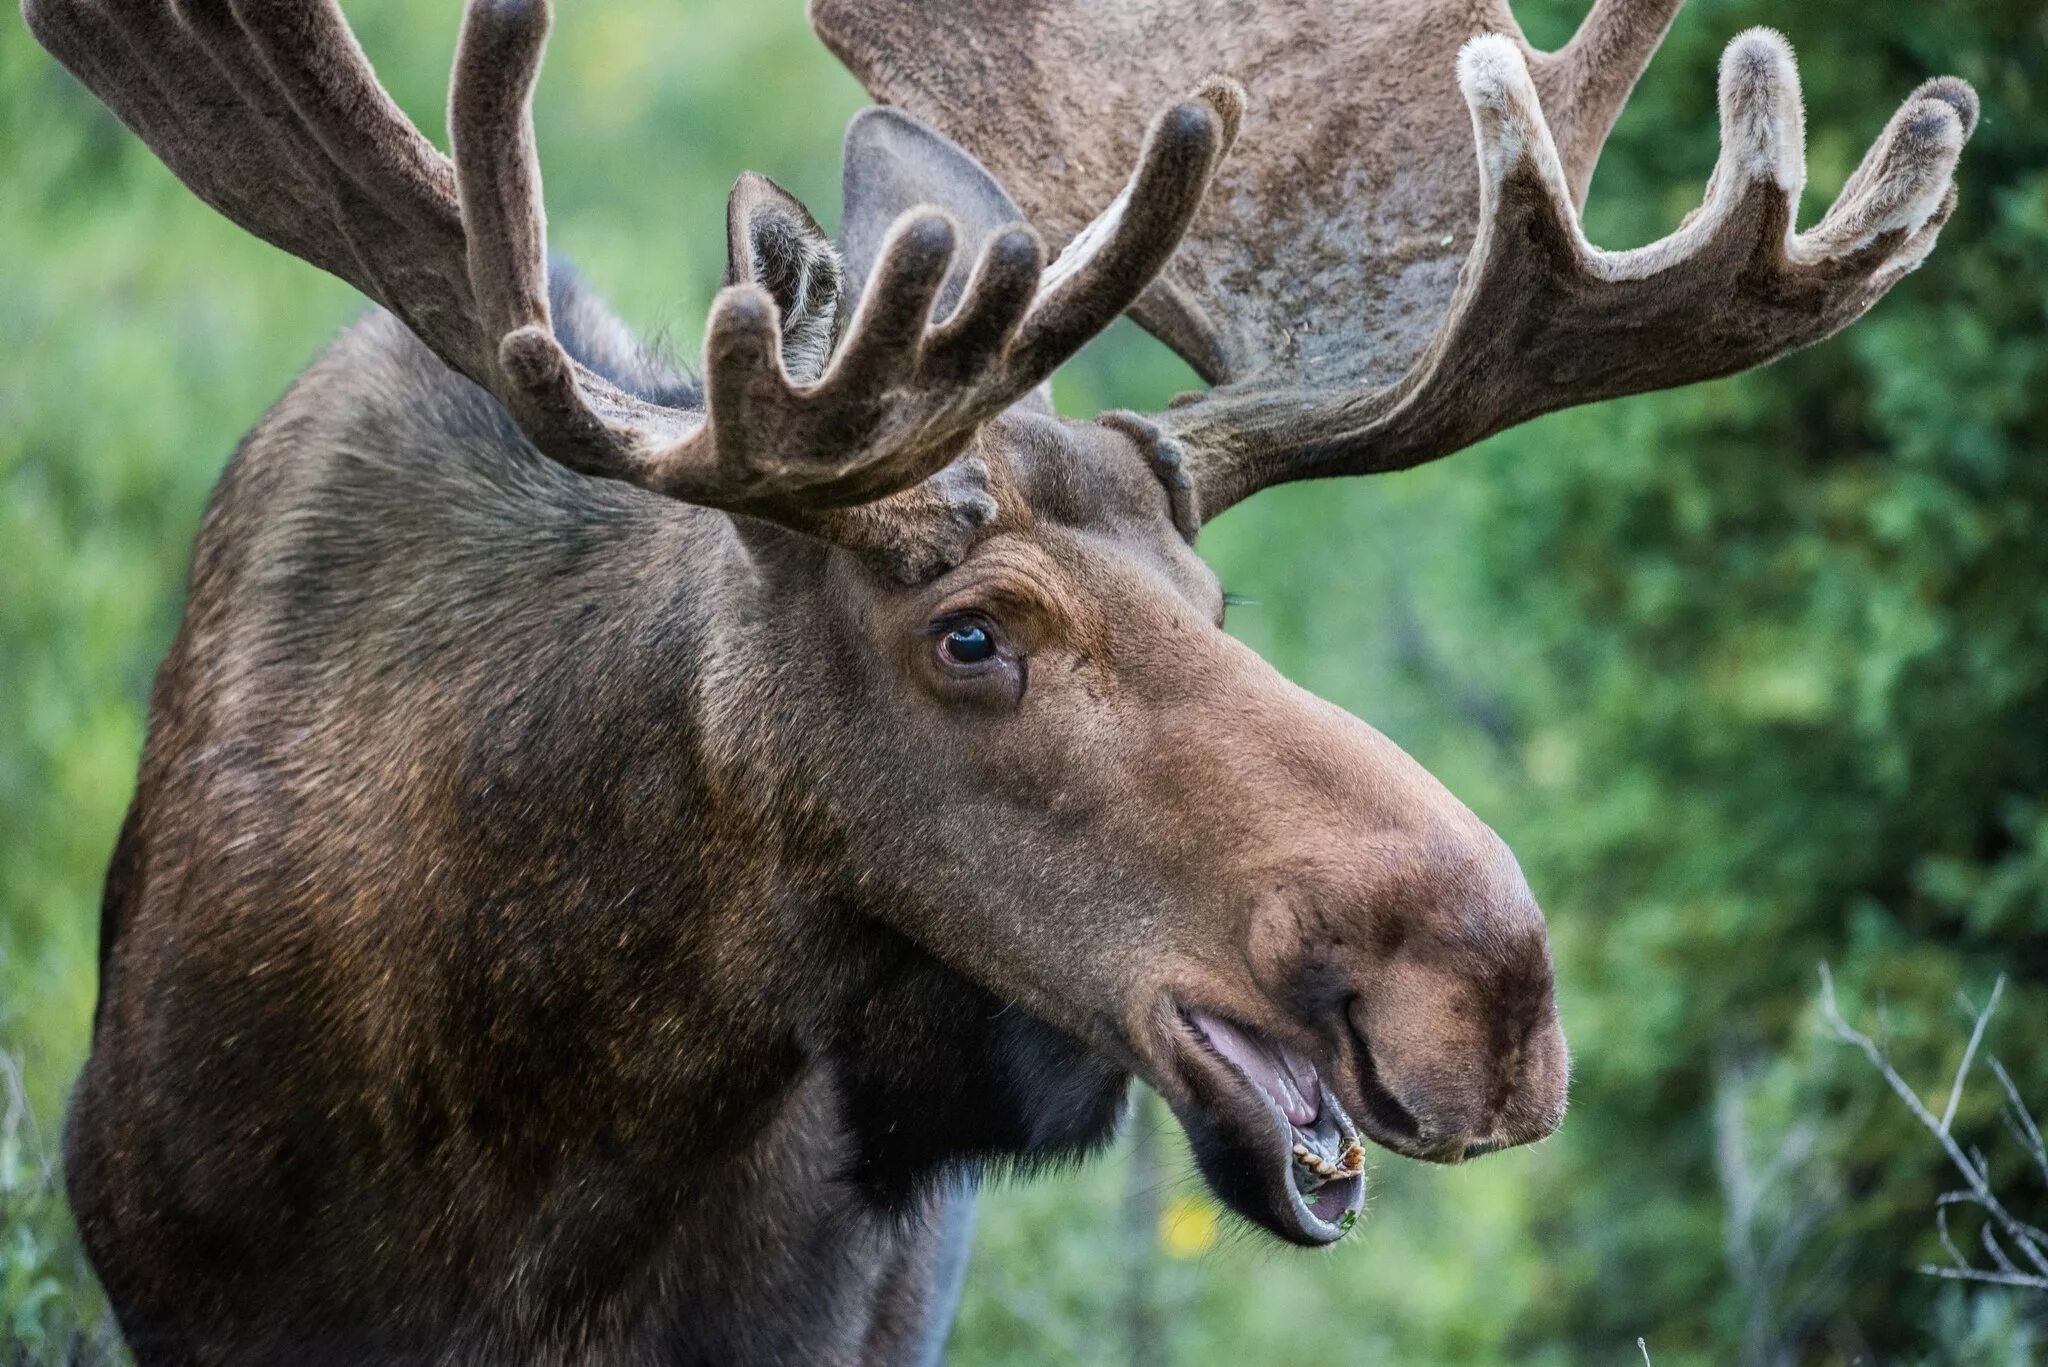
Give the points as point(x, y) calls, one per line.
point(2030, 1270)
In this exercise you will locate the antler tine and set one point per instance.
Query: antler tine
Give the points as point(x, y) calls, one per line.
point(1131, 240)
point(504, 220)
point(1542, 319)
point(1001, 290)
point(865, 429)
point(1904, 181)
point(888, 327)
point(497, 169)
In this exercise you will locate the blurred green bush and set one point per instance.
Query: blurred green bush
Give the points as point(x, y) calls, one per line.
point(1751, 675)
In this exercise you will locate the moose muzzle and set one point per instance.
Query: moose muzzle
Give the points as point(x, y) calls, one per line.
point(1387, 978)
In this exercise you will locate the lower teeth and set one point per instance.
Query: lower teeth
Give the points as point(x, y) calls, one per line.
point(1350, 1163)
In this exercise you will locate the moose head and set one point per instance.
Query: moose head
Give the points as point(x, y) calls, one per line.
point(953, 667)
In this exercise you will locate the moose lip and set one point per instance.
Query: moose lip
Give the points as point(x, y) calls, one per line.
point(1268, 1133)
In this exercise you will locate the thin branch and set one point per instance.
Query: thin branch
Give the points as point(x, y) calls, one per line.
point(2012, 1127)
point(2034, 1141)
point(1796, 1147)
point(1790, 1239)
point(1990, 1242)
point(1971, 1274)
point(1851, 1035)
point(1975, 1171)
point(1955, 1091)
point(1941, 1228)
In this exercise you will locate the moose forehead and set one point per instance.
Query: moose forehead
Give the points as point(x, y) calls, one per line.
point(1082, 496)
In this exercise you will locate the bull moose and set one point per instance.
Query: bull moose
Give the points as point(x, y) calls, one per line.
point(617, 855)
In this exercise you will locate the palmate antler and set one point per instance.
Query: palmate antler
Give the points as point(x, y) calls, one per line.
point(269, 110)
point(1361, 299)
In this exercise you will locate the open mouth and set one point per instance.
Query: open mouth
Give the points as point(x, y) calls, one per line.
point(1269, 1135)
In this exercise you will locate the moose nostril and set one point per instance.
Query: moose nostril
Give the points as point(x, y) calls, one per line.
point(1382, 1106)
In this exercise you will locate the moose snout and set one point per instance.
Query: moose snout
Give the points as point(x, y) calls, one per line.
point(1395, 932)
point(1441, 1007)
point(1446, 1072)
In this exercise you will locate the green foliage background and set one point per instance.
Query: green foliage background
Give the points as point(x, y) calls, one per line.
point(1751, 675)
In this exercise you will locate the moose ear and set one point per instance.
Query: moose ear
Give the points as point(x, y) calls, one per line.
point(892, 163)
point(772, 241)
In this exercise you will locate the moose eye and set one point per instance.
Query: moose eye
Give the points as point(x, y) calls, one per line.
point(967, 643)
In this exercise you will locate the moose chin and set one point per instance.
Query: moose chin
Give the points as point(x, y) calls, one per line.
point(617, 856)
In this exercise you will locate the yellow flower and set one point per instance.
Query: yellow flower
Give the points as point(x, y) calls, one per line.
point(1187, 1227)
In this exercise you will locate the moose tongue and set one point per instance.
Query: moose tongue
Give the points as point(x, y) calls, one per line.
point(1288, 1080)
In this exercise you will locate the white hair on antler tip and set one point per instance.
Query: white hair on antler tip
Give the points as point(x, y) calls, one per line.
point(1763, 126)
point(1903, 178)
point(1508, 122)
point(1507, 117)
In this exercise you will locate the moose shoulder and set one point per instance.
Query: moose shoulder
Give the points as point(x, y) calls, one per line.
point(615, 859)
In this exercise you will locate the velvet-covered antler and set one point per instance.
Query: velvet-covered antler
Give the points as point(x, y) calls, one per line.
point(1364, 293)
point(269, 110)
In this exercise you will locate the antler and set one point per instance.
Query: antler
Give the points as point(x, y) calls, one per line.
point(269, 110)
point(1322, 288)
point(1542, 319)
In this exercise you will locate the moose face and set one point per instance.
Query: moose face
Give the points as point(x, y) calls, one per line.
point(1066, 780)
